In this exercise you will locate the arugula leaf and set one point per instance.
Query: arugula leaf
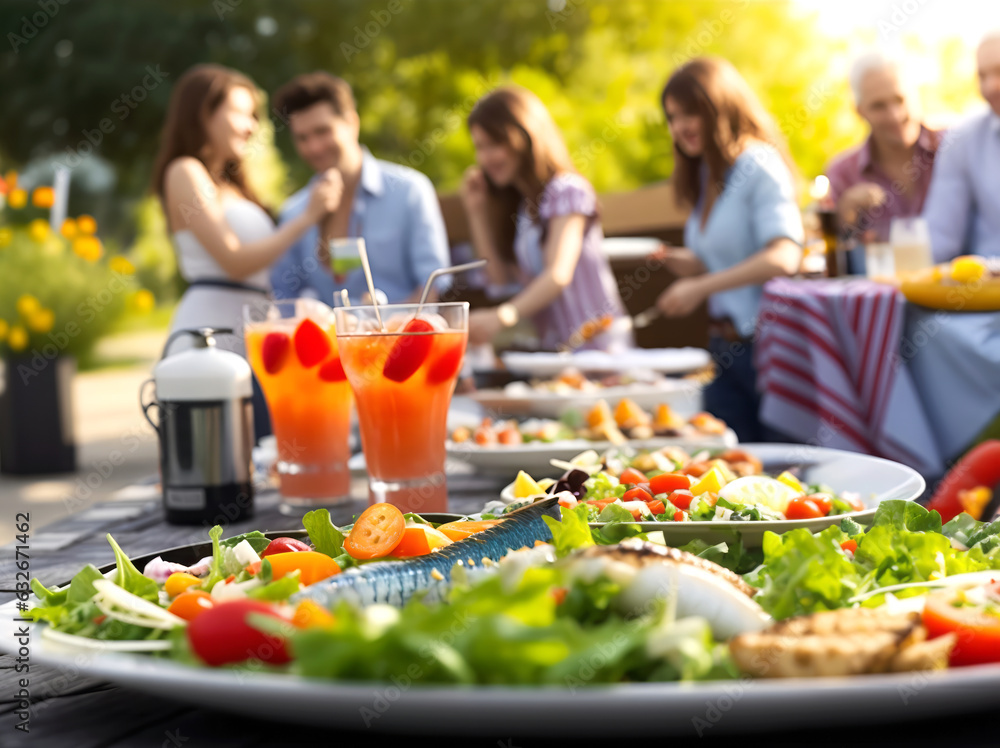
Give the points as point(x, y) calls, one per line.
point(215, 575)
point(81, 588)
point(572, 531)
point(257, 540)
point(130, 578)
point(323, 534)
point(46, 596)
point(282, 589)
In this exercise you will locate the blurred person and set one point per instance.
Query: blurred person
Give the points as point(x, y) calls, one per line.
point(888, 175)
point(963, 205)
point(224, 237)
point(393, 207)
point(733, 171)
point(536, 222)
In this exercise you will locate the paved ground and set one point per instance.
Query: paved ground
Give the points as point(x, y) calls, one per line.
point(108, 420)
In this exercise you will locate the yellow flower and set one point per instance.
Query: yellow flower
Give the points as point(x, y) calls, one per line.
point(43, 197)
point(39, 230)
point(68, 228)
point(17, 338)
point(143, 301)
point(17, 199)
point(4, 327)
point(42, 320)
point(11, 179)
point(27, 305)
point(88, 247)
point(121, 265)
point(86, 225)
point(5, 236)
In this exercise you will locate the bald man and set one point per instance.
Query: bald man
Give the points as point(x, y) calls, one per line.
point(887, 176)
point(963, 205)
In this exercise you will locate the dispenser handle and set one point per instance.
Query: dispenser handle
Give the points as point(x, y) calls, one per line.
point(146, 406)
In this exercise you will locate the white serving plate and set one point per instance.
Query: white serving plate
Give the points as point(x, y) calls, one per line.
point(682, 395)
point(629, 247)
point(663, 360)
point(535, 457)
point(688, 709)
point(874, 478)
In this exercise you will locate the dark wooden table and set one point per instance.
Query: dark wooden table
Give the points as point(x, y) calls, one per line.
point(72, 710)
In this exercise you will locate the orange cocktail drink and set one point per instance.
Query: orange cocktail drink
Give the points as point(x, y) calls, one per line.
point(292, 347)
point(403, 378)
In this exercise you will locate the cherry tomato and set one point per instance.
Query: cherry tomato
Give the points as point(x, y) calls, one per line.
point(681, 499)
point(669, 482)
point(632, 477)
point(637, 494)
point(656, 507)
point(979, 467)
point(823, 500)
point(803, 508)
point(189, 605)
point(222, 635)
point(678, 516)
point(284, 545)
point(409, 351)
point(377, 531)
point(179, 582)
point(978, 629)
point(510, 436)
point(850, 545)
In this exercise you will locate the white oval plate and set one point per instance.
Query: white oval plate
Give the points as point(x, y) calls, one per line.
point(663, 360)
point(874, 478)
point(534, 457)
point(682, 395)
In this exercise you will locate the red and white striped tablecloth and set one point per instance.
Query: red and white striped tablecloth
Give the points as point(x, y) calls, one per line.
point(830, 374)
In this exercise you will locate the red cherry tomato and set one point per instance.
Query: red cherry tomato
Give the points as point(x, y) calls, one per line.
point(221, 635)
point(636, 494)
point(849, 545)
point(409, 351)
point(803, 508)
point(977, 627)
point(979, 467)
point(669, 482)
point(284, 545)
point(632, 477)
point(681, 499)
point(656, 507)
point(823, 500)
point(678, 516)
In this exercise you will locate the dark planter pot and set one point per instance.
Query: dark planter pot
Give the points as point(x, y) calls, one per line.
point(36, 415)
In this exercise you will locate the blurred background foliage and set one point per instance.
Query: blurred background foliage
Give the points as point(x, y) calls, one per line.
point(417, 67)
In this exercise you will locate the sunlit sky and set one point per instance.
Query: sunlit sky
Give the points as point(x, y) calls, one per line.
point(931, 20)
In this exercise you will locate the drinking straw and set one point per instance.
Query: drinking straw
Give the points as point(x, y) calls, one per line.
point(445, 271)
point(345, 298)
point(363, 252)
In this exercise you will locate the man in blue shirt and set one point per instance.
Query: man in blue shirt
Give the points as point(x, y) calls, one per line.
point(963, 204)
point(394, 208)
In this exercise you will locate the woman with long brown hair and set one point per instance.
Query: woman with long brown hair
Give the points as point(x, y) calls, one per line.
point(733, 171)
point(535, 220)
point(224, 238)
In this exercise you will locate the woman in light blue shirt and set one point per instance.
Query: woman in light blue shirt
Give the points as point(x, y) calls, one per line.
point(733, 170)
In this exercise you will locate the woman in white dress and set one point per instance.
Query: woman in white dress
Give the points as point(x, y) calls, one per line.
point(224, 238)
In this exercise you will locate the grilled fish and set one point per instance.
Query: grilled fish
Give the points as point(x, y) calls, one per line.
point(395, 582)
point(697, 587)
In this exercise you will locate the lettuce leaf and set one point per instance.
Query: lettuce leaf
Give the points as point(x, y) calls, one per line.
point(130, 578)
point(257, 540)
point(282, 589)
point(323, 534)
point(572, 531)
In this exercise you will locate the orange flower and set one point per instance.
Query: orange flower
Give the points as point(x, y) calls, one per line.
point(11, 179)
point(38, 230)
point(68, 228)
point(17, 199)
point(43, 197)
point(86, 225)
point(88, 247)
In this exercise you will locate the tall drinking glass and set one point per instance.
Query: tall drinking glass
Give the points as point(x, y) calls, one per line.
point(403, 378)
point(911, 244)
point(292, 347)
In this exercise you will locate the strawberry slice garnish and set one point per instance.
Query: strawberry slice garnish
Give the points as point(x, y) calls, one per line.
point(409, 352)
point(274, 351)
point(332, 371)
point(447, 364)
point(312, 346)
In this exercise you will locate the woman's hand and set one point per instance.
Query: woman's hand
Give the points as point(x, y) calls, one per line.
point(858, 201)
point(484, 325)
point(474, 190)
point(326, 195)
point(682, 297)
point(680, 261)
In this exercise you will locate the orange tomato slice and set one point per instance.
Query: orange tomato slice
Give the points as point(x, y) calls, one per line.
point(311, 565)
point(462, 530)
point(191, 604)
point(417, 541)
point(377, 531)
